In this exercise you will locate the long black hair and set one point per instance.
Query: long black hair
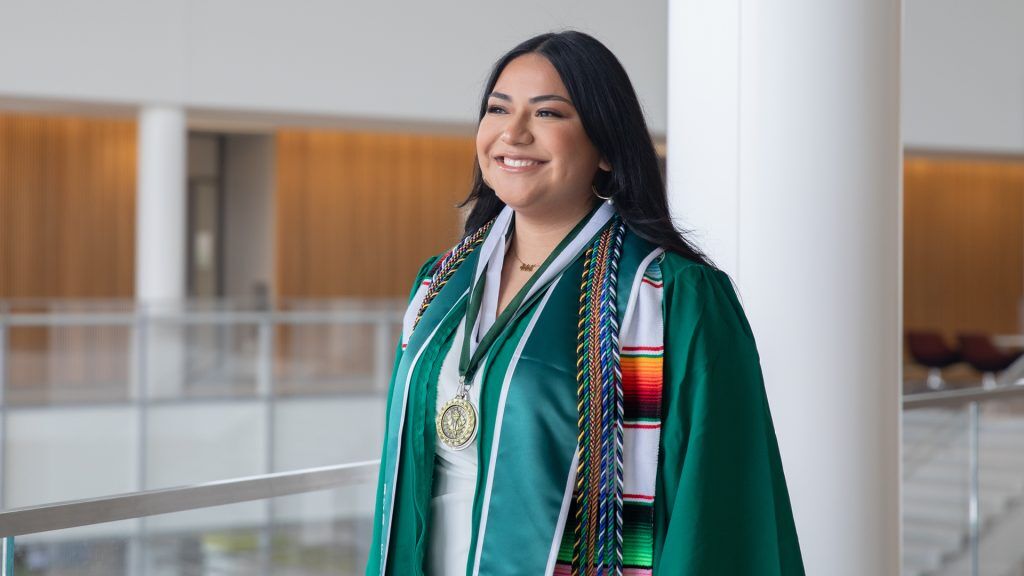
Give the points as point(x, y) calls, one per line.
point(614, 121)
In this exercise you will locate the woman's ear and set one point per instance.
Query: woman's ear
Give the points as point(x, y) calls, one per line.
point(604, 165)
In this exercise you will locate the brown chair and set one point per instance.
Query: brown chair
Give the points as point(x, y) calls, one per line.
point(985, 357)
point(929, 349)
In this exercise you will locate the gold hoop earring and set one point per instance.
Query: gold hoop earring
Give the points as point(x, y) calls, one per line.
point(593, 188)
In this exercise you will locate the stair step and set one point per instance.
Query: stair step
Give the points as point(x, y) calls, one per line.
point(935, 493)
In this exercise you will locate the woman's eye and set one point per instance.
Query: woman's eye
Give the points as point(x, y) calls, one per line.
point(549, 114)
point(495, 109)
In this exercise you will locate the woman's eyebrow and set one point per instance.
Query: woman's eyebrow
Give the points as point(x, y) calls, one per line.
point(535, 99)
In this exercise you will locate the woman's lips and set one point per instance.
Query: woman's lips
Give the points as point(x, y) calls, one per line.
point(518, 164)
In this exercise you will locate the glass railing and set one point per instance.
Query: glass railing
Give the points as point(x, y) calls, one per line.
point(104, 351)
point(105, 396)
point(963, 482)
point(102, 397)
point(314, 522)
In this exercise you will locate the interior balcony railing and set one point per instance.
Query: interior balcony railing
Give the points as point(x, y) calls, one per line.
point(107, 396)
point(92, 351)
point(314, 522)
point(100, 397)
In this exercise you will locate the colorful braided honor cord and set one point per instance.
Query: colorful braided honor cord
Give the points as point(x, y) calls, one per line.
point(597, 537)
point(448, 264)
point(609, 530)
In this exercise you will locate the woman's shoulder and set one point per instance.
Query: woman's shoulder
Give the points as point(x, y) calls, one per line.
point(701, 296)
point(427, 268)
point(681, 272)
point(425, 271)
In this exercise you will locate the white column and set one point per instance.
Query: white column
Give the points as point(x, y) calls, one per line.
point(784, 153)
point(161, 225)
point(160, 231)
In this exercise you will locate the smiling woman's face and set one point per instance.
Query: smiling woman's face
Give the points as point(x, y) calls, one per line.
point(531, 145)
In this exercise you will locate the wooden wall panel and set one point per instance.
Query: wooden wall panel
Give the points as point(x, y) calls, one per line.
point(963, 244)
point(67, 207)
point(357, 213)
point(67, 230)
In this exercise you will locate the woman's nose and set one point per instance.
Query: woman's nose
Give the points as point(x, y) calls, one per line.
point(517, 131)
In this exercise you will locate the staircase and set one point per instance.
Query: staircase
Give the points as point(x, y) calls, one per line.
point(936, 481)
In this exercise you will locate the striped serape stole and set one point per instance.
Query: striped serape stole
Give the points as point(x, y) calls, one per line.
point(642, 361)
point(609, 529)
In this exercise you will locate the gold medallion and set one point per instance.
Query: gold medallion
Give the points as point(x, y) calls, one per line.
point(456, 423)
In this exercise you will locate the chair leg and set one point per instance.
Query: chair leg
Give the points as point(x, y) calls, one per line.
point(935, 380)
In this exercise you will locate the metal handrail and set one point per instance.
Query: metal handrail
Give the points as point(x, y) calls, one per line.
point(60, 515)
point(960, 397)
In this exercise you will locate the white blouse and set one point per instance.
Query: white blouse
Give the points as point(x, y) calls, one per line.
point(451, 505)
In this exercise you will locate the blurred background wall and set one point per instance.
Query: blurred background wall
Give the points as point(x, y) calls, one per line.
point(407, 62)
point(963, 79)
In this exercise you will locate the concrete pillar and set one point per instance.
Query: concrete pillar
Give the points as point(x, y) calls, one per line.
point(784, 154)
point(161, 202)
point(160, 230)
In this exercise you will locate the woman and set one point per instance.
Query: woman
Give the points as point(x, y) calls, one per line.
point(577, 389)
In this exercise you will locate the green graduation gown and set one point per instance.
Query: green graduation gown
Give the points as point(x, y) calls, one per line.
point(721, 505)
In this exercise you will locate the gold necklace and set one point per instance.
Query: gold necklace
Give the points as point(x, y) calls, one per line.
point(523, 265)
